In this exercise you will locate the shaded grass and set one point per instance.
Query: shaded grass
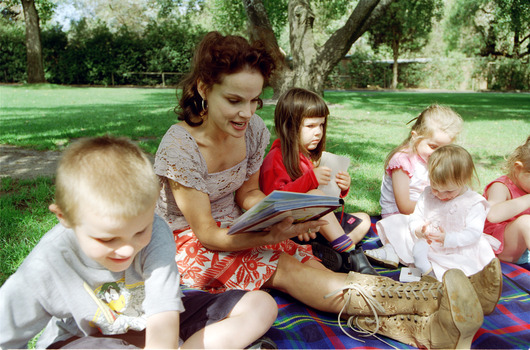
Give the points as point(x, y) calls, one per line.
point(24, 218)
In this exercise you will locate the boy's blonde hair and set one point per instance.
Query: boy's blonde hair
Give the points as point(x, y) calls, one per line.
point(451, 165)
point(110, 175)
point(433, 118)
point(521, 154)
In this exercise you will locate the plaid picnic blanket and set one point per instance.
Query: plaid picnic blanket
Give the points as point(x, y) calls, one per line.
point(508, 327)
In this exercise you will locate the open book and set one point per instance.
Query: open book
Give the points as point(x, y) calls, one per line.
point(281, 204)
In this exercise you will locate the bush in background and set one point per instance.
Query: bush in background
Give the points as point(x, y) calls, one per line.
point(95, 55)
point(506, 74)
point(452, 72)
point(13, 53)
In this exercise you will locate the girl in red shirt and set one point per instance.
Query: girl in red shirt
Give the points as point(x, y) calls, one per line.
point(292, 164)
point(509, 217)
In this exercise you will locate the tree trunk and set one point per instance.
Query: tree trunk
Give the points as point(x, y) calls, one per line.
point(311, 65)
point(261, 29)
point(35, 66)
point(516, 44)
point(395, 71)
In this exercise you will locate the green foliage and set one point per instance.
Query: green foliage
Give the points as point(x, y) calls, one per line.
point(92, 54)
point(406, 25)
point(45, 8)
point(229, 16)
point(445, 72)
point(452, 72)
point(169, 45)
point(13, 52)
point(360, 70)
point(505, 74)
point(490, 27)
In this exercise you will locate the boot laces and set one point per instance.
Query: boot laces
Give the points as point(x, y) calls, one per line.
point(368, 293)
point(370, 301)
point(407, 290)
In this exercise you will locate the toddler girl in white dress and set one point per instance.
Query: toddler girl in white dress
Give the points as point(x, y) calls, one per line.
point(445, 230)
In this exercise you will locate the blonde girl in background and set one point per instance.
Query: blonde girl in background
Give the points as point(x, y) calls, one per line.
point(406, 175)
point(292, 164)
point(445, 231)
point(509, 217)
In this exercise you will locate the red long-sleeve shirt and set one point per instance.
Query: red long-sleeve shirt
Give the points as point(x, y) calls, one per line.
point(274, 176)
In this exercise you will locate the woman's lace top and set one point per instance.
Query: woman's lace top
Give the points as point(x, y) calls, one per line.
point(178, 158)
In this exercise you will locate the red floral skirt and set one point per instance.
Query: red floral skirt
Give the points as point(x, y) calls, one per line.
point(216, 271)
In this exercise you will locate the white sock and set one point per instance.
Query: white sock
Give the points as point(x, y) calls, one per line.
point(421, 259)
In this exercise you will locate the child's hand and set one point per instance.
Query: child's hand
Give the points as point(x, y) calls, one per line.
point(323, 175)
point(343, 180)
point(421, 230)
point(437, 235)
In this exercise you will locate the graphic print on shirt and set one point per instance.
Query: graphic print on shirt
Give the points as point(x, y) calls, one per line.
point(119, 307)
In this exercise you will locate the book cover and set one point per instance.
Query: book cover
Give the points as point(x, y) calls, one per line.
point(336, 163)
point(281, 204)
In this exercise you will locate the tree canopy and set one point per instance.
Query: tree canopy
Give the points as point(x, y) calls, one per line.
point(405, 27)
point(490, 27)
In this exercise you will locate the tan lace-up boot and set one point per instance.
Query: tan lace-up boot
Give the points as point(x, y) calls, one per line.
point(452, 326)
point(366, 295)
point(487, 284)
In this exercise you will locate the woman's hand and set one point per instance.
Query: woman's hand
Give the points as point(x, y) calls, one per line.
point(309, 235)
point(323, 175)
point(343, 180)
point(286, 230)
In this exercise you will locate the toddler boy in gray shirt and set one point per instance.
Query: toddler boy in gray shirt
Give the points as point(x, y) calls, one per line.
point(106, 276)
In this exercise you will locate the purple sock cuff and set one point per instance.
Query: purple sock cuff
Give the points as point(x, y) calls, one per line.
point(343, 244)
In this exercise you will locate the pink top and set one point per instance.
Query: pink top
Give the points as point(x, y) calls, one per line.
point(416, 169)
point(497, 229)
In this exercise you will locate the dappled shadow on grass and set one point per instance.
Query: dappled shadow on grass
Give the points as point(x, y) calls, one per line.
point(486, 106)
point(488, 161)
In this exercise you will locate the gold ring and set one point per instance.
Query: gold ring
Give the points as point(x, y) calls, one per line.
point(309, 231)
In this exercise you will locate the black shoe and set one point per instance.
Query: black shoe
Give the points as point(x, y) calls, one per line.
point(263, 343)
point(329, 257)
point(355, 260)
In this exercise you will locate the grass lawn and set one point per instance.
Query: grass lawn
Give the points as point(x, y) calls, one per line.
point(364, 125)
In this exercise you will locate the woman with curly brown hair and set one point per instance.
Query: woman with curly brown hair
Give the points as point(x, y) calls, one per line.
point(209, 169)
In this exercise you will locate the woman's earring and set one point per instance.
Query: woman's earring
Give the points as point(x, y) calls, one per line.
point(204, 105)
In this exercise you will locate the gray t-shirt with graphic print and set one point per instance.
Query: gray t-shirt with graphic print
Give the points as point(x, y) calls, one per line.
point(60, 288)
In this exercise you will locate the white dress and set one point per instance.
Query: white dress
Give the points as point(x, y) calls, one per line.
point(465, 247)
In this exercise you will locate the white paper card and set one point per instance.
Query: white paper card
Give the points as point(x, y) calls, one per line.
point(336, 163)
point(409, 274)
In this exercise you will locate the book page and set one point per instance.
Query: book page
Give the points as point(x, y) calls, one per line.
point(336, 163)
